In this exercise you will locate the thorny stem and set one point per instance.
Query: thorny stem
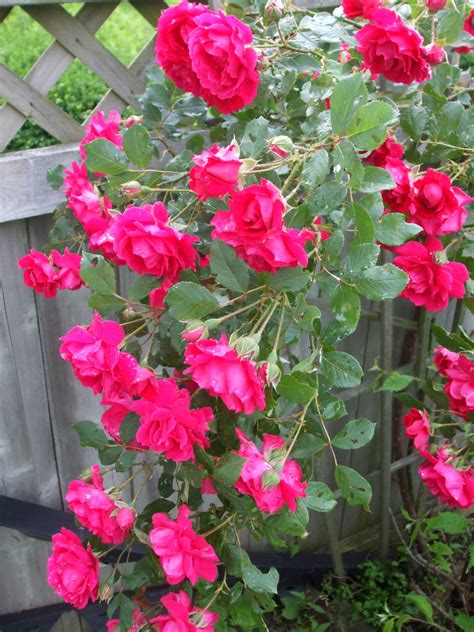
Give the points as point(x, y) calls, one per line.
point(280, 325)
point(219, 526)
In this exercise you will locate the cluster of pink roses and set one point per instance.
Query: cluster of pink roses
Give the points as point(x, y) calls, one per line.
point(208, 53)
point(440, 471)
point(432, 202)
point(46, 274)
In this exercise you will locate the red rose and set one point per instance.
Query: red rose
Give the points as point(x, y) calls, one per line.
point(453, 486)
point(101, 127)
point(435, 55)
point(216, 172)
point(183, 616)
point(39, 273)
point(174, 27)
point(89, 209)
point(359, 8)
point(417, 427)
point(224, 62)
point(459, 371)
point(400, 198)
point(436, 5)
point(142, 238)
point(388, 149)
point(218, 369)
point(254, 226)
point(469, 23)
point(430, 284)
point(438, 206)
point(391, 49)
point(69, 265)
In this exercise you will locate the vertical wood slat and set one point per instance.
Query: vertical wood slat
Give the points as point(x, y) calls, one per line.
point(78, 41)
point(49, 68)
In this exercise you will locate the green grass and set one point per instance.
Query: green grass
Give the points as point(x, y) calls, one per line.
point(79, 89)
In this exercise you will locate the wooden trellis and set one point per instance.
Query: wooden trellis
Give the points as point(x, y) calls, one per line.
point(74, 39)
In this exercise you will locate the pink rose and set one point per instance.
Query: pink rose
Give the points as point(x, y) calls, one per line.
point(431, 284)
point(438, 206)
point(445, 359)
point(454, 487)
point(101, 127)
point(435, 55)
point(174, 28)
point(216, 172)
point(268, 476)
point(218, 369)
point(183, 617)
point(89, 209)
point(93, 351)
point(459, 371)
point(388, 149)
point(96, 511)
point(139, 620)
point(417, 427)
point(69, 265)
point(168, 424)
point(359, 8)
point(391, 49)
point(436, 5)
point(39, 273)
point(400, 198)
point(142, 238)
point(183, 554)
point(469, 23)
point(223, 60)
point(73, 571)
point(254, 226)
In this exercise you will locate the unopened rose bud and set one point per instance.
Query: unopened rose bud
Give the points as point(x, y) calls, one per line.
point(133, 120)
point(435, 55)
point(247, 346)
point(131, 189)
point(282, 146)
point(106, 592)
point(195, 330)
point(270, 479)
point(129, 313)
point(436, 5)
point(125, 518)
point(274, 9)
point(212, 322)
point(271, 374)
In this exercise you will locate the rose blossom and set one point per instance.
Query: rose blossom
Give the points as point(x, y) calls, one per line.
point(88, 208)
point(444, 359)
point(73, 571)
point(183, 554)
point(454, 487)
point(39, 273)
point(400, 198)
point(417, 427)
point(216, 172)
point(469, 23)
point(183, 617)
point(391, 49)
point(218, 369)
point(254, 226)
point(359, 8)
point(143, 239)
point(139, 620)
point(388, 149)
point(438, 206)
point(223, 60)
point(272, 480)
point(101, 127)
point(96, 511)
point(168, 424)
point(459, 371)
point(430, 284)
point(69, 265)
point(435, 55)
point(436, 5)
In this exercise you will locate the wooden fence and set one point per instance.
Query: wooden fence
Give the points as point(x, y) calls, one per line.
point(40, 399)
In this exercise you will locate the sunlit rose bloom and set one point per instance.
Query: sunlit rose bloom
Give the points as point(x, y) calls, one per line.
point(453, 486)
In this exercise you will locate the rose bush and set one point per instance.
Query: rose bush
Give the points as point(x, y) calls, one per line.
point(303, 189)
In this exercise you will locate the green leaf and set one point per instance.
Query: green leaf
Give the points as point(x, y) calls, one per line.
point(129, 427)
point(423, 605)
point(297, 387)
point(354, 488)
point(137, 146)
point(376, 179)
point(470, 560)
point(315, 169)
point(346, 96)
point(289, 279)
point(369, 128)
point(231, 272)
point(395, 382)
point(143, 285)
point(454, 342)
point(256, 579)
point(355, 434)
point(106, 305)
point(348, 159)
point(319, 497)
point(341, 369)
point(381, 282)
point(450, 26)
point(90, 434)
point(254, 140)
point(109, 454)
point(307, 445)
point(228, 469)
point(360, 256)
point(188, 300)
point(365, 227)
point(394, 230)
point(55, 177)
point(345, 304)
point(465, 622)
point(448, 522)
point(100, 277)
point(126, 609)
point(102, 156)
point(413, 121)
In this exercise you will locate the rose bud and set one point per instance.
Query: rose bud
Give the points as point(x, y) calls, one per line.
point(274, 9)
point(195, 330)
point(131, 189)
point(436, 5)
point(435, 55)
point(106, 592)
point(133, 120)
point(125, 518)
point(282, 146)
point(247, 346)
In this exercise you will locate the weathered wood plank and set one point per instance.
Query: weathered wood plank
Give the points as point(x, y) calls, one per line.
point(77, 39)
point(49, 68)
point(32, 103)
point(24, 191)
